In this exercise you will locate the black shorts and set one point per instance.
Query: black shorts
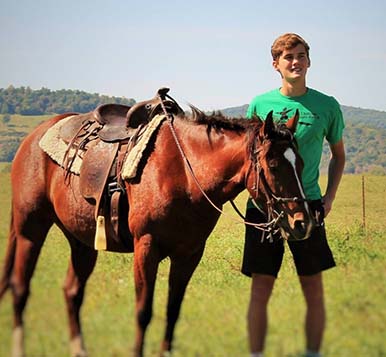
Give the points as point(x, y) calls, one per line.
point(311, 255)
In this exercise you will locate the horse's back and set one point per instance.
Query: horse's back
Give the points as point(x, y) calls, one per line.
point(30, 169)
point(42, 193)
point(29, 160)
point(29, 148)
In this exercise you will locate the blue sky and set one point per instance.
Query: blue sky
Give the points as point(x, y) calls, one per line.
point(213, 54)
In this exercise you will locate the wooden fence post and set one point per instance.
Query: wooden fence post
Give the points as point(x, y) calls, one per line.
point(363, 203)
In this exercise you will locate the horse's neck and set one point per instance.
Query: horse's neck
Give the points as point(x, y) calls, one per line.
point(218, 160)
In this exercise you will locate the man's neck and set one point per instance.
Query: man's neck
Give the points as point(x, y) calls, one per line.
point(293, 89)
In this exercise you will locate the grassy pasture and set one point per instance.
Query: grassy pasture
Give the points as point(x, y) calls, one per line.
point(20, 124)
point(212, 321)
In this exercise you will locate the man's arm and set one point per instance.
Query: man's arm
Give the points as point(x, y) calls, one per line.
point(335, 171)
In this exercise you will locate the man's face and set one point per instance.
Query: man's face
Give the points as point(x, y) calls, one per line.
point(293, 64)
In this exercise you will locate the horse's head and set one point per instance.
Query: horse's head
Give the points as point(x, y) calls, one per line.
point(277, 182)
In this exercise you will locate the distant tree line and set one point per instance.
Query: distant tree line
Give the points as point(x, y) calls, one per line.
point(364, 136)
point(365, 148)
point(26, 101)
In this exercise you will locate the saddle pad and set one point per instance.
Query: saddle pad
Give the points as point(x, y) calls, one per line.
point(52, 144)
point(129, 168)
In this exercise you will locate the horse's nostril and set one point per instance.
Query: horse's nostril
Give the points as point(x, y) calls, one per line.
point(300, 225)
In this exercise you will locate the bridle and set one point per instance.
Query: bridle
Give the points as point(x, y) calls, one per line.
point(273, 215)
point(275, 211)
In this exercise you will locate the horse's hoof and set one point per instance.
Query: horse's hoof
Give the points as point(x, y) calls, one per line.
point(82, 353)
point(18, 342)
point(77, 347)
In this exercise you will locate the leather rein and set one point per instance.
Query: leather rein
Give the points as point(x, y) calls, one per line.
point(271, 226)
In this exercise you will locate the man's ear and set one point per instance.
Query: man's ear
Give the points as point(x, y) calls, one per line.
point(275, 65)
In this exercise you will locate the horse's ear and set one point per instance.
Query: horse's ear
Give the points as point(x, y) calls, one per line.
point(257, 118)
point(293, 122)
point(268, 124)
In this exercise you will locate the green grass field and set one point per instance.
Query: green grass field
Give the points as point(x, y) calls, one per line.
point(212, 321)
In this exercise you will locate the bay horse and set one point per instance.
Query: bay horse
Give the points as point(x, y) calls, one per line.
point(196, 161)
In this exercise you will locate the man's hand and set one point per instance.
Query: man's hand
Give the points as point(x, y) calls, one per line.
point(327, 204)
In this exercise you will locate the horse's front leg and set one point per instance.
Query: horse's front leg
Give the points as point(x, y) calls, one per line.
point(81, 266)
point(146, 260)
point(181, 270)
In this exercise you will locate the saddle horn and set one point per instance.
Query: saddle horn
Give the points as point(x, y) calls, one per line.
point(143, 112)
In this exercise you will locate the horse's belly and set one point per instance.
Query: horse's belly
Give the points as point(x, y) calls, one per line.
point(73, 212)
point(77, 216)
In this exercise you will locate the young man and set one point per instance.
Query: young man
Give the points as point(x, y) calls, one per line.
point(320, 117)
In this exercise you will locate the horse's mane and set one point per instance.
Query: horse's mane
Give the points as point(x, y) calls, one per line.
point(281, 132)
point(217, 121)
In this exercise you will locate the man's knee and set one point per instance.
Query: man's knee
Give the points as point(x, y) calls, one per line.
point(262, 286)
point(312, 286)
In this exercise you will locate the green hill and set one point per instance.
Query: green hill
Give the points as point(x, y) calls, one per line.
point(25, 101)
point(364, 137)
point(22, 109)
point(365, 134)
point(352, 115)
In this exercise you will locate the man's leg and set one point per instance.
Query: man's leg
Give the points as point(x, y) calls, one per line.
point(312, 286)
point(261, 290)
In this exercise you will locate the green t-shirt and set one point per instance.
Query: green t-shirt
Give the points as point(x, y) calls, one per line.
point(320, 117)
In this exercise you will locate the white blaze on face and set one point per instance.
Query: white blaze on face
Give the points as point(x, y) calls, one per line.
point(291, 157)
point(289, 154)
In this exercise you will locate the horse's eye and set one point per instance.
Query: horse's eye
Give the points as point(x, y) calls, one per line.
point(273, 164)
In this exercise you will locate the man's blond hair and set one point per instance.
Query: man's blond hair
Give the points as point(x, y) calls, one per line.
point(288, 41)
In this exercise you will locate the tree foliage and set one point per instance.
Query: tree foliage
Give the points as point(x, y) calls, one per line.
point(26, 101)
point(364, 135)
point(364, 138)
point(365, 148)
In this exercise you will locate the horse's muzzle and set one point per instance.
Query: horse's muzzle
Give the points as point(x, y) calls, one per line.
point(299, 227)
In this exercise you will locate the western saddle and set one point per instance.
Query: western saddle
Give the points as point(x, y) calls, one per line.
point(103, 139)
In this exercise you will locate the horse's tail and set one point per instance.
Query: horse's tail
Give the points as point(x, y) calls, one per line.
point(9, 261)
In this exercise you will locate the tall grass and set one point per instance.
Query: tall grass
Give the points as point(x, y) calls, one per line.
point(212, 321)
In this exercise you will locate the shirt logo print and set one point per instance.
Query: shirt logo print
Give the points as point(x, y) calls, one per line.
point(284, 115)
